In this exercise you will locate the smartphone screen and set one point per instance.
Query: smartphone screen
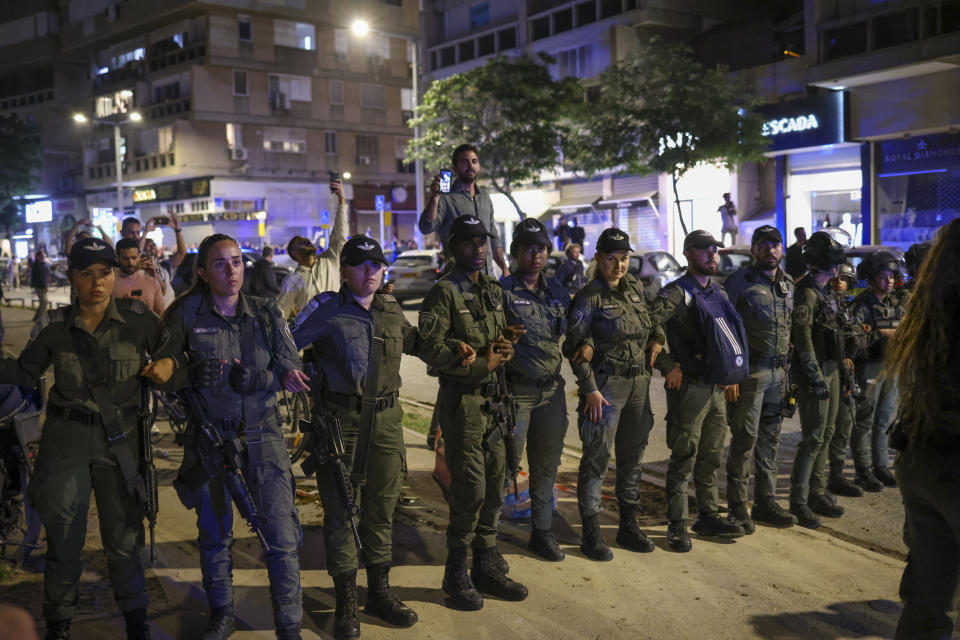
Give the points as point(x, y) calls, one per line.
point(445, 179)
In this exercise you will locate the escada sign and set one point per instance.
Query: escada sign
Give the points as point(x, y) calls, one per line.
point(806, 123)
point(790, 125)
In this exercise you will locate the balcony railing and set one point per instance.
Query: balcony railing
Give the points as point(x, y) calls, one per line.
point(125, 75)
point(107, 170)
point(171, 58)
point(167, 108)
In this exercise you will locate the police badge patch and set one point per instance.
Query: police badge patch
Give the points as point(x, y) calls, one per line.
point(801, 313)
point(426, 324)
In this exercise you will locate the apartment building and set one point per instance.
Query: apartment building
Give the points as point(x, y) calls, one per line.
point(245, 107)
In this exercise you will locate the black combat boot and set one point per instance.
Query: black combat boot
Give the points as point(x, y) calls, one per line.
point(289, 633)
point(221, 623)
point(382, 602)
point(767, 511)
point(58, 630)
point(457, 583)
point(137, 627)
point(823, 506)
point(499, 559)
point(545, 545)
point(629, 535)
point(346, 617)
point(805, 517)
point(740, 515)
point(865, 479)
point(591, 541)
point(677, 536)
point(711, 525)
point(839, 485)
point(489, 578)
point(885, 476)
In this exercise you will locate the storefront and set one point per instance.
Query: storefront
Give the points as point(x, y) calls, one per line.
point(820, 181)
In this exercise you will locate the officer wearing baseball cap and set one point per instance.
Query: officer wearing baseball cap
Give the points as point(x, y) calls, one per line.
point(763, 295)
point(96, 338)
point(345, 328)
point(536, 307)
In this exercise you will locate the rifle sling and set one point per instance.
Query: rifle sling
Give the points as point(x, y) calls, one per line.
point(368, 406)
point(98, 385)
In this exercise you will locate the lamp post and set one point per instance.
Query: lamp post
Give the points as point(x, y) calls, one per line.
point(116, 123)
point(361, 28)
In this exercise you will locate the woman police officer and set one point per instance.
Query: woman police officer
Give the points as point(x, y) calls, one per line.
point(97, 334)
point(612, 343)
point(536, 310)
point(238, 350)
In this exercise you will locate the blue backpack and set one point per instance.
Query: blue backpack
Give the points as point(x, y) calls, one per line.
point(725, 354)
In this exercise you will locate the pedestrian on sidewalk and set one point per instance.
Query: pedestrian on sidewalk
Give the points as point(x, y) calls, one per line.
point(923, 357)
point(537, 308)
point(763, 296)
point(728, 220)
point(818, 356)
point(346, 329)
point(40, 281)
point(708, 351)
point(236, 350)
point(105, 339)
point(612, 343)
point(467, 306)
point(570, 273)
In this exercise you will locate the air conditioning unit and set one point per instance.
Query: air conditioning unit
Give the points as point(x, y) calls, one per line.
point(238, 153)
point(363, 160)
point(340, 56)
point(278, 101)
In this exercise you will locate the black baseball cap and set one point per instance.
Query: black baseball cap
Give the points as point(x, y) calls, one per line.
point(700, 239)
point(531, 231)
point(468, 226)
point(613, 239)
point(766, 232)
point(359, 249)
point(90, 251)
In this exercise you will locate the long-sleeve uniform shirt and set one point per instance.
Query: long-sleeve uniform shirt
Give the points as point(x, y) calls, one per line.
point(542, 311)
point(868, 309)
point(817, 330)
point(766, 307)
point(459, 203)
point(306, 282)
point(617, 323)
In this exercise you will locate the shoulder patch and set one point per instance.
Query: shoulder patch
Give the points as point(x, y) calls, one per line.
point(576, 317)
point(426, 324)
point(387, 297)
point(801, 313)
point(39, 326)
point(58, 315)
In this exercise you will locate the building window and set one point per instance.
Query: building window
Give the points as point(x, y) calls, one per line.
point(336, 91)
point(486, 45)
point(341, 44)
point(367, 147)
point(563, 20)
point(298, 35)
point(586, 13)
point(574, 63)
point(448, 56)
point(466, 50)
point(234, 136)
point(401, 152)
point(240, 82)
point(508, 39)
point(371, 96)
point(610, 8)
point(330, 143)
point(540, 28)
point(479, 15)
point(378, 47)
point(120, 61)
point(245, 28)
point(284, 89)
point(166, 91)
point(284, 140)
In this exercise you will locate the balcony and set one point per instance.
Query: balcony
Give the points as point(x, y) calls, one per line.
point(107, 170)
point(167, 109)
point(179, 56)
point(123, 77)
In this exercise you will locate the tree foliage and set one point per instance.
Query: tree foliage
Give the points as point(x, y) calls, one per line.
point(22, 156)
point(511, 109)
point(660, 111)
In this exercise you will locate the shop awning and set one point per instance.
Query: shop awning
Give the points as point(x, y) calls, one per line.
point(627, 201)
point(570, 205)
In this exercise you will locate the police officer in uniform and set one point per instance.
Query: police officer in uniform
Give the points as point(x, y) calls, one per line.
point(467, 306)
point(236, 350)
point(763, 295)
point(696, 409)
point(111, 336)
point(879, 309)
point(914, 258)
point(537, 307)
point(343, 328)
point(611, 343)
point(817, 358)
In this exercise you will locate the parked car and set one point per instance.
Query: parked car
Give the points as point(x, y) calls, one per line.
point(183, 278)
point(731, 259)
point(413, 273)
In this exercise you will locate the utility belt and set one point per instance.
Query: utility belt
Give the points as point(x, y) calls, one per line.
point(771, 362)
point(88, 418)
point(353, 402)
point(539, 383)
point(620, 370)
point(487, 390)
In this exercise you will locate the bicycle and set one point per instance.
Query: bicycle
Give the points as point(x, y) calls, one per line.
point(293, 408)
point(172, 408)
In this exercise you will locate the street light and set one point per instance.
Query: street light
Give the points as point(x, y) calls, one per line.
point(116, 123)
point(361, 28)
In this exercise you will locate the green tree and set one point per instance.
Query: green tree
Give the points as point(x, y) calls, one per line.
point(22, 159)
point(661, 111)
point(511, 109)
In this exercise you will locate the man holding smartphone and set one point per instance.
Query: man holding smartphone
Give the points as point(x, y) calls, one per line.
point(464, 197)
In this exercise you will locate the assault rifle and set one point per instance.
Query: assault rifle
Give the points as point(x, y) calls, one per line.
point(221, 454)
point(151, 503)
point(504, 409)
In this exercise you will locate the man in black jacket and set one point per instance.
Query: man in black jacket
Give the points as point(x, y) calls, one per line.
point(263, 281)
